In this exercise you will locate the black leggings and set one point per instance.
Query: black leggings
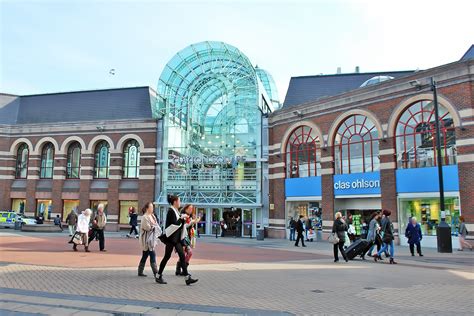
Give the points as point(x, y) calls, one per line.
point(168, 251)
point(339, 245)
point(133, 229)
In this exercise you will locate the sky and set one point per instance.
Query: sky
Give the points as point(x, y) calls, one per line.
point(54, 46)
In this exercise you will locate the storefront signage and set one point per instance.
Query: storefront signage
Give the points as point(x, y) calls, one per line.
point(420, 180)
point(367, 183)
point(213, 160)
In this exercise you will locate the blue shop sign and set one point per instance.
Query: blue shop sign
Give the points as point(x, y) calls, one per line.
point(417, 180)
point(309, 186)
point(367, 183)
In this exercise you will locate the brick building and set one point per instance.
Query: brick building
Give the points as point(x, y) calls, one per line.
point(65, 151)
point(342, 144)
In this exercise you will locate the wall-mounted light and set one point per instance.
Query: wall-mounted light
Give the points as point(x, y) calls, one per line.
point(415, 83)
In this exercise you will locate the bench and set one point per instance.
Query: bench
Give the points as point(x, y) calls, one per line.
point(43, 228)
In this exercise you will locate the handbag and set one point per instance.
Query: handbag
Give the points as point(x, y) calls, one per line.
point(333, 238)
point(77, 239)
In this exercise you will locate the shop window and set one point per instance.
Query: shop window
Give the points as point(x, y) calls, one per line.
point(47, 161)
point(428, 214)
point(73, 161)
point(302, 153)
point(416, 136)
point(68, 206)
point(356, 146)
point(311, 210)
point(44, 209)
point(102, 160)
point(22, 155)
point(124, 211)
point(95, 204)
point(18, 205)
point(131, 159)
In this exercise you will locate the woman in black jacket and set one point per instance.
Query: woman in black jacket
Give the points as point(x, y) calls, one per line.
point(133, 222)
point(388, 237)
point(339, 228)
point(173, 240)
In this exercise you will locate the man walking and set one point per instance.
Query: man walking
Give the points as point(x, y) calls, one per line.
point(300, 230)
point(414, 235)
point(98, 226)
point(292, 226)
point(71, 221)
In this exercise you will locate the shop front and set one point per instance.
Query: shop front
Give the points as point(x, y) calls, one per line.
point(357, 196)
point(303, 197)
point(418, 196)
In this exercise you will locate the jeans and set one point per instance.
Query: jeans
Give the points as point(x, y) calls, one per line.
point(72, 229)
point(168, 251)
point(151, 254)
point(133, 229)
point(292, 234)
point(339, 246)
point(99, 233)
point(384, 248)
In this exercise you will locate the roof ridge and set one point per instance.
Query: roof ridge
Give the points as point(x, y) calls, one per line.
point(87, 90)
point(353, 73)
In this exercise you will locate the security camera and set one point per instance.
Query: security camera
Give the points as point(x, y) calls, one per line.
point(415, 83)
point(298, 113)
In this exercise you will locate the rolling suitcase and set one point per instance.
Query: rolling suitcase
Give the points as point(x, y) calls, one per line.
point(357, 248)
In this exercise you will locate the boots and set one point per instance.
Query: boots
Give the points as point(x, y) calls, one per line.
point(74, 247)
point(141, 267)
point(392, 261)
point(154, 268)
point(87, 249)
point(190, 280)
point(160, 280)
point(178, 268)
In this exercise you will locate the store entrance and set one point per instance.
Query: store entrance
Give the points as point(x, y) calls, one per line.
point(360, 219)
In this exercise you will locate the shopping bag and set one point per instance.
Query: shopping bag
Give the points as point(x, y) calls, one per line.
point(77, 238)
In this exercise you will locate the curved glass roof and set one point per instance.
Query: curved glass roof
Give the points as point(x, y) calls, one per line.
point(375, 80)
point(204, 79)
point(269, 85)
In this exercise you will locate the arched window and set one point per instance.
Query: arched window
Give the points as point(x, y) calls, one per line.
point(416, 136)
point(356, 146)
point(47, 161)
point(131, 159)
point(21, 171)
point(102, 160)
point(73, 169)
point(302, 153)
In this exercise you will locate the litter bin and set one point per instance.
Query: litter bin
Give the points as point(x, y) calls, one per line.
point(260, 234)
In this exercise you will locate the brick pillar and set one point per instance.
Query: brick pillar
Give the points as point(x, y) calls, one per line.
point(115, 175)
point(33, 176)
point(388, 183)
point(146, 184)
point(59, 175)
point(466, 172)
point(87, 172)
point(327, 186)
point(7, 175)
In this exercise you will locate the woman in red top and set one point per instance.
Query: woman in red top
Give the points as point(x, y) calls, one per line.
point(188, 236)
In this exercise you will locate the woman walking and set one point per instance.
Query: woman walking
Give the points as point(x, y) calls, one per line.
point(388, 237)
point(414, 235)
point(149, 233)
point(373, 236)
point(172, 239)
point(133, 223)
point(339, 228)
point(83, 228)
point(188, 235)
point(462, 235)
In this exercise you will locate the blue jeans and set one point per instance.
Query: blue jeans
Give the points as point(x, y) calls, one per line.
point(292, 234)
point(384, 247)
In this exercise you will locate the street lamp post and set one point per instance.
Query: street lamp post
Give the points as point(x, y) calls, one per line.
point(443, 231)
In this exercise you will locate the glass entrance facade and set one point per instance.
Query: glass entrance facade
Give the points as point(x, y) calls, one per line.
point(213, 104)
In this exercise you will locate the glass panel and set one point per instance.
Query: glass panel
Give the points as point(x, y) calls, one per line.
point(248, 223)
point(18, 205)
point(125, 209)
point(44, 209)
point(68, 206)
point(95, 204)
point(201, 212)
point(102, 160)
point(47, 162)
point(74, 161)
point(216, 218)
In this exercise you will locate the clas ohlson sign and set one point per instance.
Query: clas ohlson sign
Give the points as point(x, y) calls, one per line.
point(367, 183)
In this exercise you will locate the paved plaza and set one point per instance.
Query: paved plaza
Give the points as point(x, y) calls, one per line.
point(40, 274)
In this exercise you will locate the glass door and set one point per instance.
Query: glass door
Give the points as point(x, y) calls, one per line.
point(216, 218)
point(248, 222)
point(201, 229)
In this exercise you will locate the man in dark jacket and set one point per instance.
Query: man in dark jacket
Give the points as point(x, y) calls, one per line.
point(414, 235)
point(71, 221)
point(292, 226)
point(299, 231)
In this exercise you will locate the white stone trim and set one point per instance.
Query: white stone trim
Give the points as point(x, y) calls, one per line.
point(326, 171)
point(7, 168)
point(87, 168)
point(387, 165)
point(60, 168)
point(466, 113)
point(65, 144)
point(295, 125)
point(274, 146)
point(44, 140)
point(128, 137)
point(276, 165)
point(468, 123)
point(279, 175)
point(59, 177)
point(327, 159)
point(276, 221)
point(389, 151)
point(85, 177)
point(465, 158)
point(33, 177)
point(14, 146)
point(115, 177)
point(94, 141)
point(112, 216)
point(465, 142)
point(303, 198)
point(147, 177)
point(6, 177)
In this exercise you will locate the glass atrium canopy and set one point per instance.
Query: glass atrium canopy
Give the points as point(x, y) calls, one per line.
point(212, 101)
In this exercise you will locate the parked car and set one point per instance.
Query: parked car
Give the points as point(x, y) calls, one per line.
point(25, 220)
point(7, 219)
